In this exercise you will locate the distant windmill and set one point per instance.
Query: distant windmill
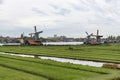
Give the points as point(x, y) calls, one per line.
point(96, 41)
point(35, 34)
point(88, 38)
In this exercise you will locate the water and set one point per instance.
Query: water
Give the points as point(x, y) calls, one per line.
point(82, 62)
point(62, 43)
point(48, 43)
point(13, 44)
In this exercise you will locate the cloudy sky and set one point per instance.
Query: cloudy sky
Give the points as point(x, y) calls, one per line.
point(63, 17)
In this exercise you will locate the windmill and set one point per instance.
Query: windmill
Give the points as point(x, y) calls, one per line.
point(95, 41)
point(35, 35)
point(88, 38)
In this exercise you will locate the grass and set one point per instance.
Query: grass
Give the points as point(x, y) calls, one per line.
point(51, 70)
point(46, 71)
point(107, 53)
point(11, 67)
point(12, 74)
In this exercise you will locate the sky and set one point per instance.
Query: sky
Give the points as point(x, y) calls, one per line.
point(71, 18)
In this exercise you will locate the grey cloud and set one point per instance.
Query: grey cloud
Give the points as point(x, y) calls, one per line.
point(63, 12)
point(109, 1)
point(58, 21)
point(53, 6)
point(1, 1)
point(91, 5)
point(86, 5)
point(39, 11)
point(80, 7)
point(60, 10)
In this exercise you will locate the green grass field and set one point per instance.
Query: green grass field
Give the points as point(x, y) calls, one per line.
point(107, 53)
point(20, 68)
point(13, 74)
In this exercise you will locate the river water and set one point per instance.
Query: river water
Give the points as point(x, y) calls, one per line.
point(62, 43)
point(82, 62)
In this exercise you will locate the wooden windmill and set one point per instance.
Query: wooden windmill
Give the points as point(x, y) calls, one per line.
point(35, 35)
point(95, 41)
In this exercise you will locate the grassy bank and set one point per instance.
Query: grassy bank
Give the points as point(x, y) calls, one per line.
point(107, 53)
point(37, 69)
point(51, 70)
point(13, 74)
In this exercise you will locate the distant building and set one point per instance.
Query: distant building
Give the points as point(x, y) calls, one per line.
point(8, 40)
point(56, 38)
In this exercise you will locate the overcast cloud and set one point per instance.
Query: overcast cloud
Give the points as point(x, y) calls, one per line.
point(0, 1)
point(63, 17)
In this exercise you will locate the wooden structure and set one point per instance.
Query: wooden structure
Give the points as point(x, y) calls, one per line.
point(33, 40)
point(93, 39)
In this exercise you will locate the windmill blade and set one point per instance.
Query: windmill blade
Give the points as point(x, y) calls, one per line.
point(40, 32)
point(87, 33)
point(91, 34)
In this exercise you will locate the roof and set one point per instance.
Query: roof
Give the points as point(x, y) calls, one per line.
point(31, 42)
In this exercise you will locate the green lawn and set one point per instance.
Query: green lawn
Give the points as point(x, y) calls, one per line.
point(14, 68)
point(108, 53)
point(12, 74)
point(20, 68)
